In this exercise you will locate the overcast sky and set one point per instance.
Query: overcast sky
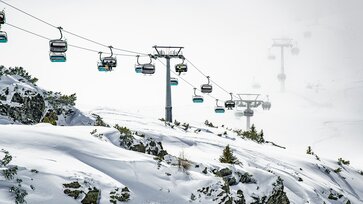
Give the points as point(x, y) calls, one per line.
point(227, 40)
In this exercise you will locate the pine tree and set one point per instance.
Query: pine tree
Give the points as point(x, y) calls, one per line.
point(227, 156)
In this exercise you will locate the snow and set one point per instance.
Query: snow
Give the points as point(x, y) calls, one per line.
point(65, 154)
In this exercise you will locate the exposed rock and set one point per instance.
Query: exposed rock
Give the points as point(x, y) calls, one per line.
point(224, 172)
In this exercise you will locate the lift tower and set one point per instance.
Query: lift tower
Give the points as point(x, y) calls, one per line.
point(283, 43)
point(250, 101)
point(168, 52)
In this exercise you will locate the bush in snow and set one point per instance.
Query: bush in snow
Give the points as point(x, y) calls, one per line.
point(50, 117)
point(183, 163)
point(10, 172)
point(7, 158)
point(338, 170)
point(227, 156)
point(99, 121)
point(126, 138)
point(186, 126)
point(253, 135)
point(122, 195)
point(209, 124)
point(342, 161)
point(19, 194)
point(309, 151)
point(176, 123)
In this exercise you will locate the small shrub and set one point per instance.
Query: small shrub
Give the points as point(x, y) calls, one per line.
point(183, 163)
point(342, 161)
point(73, 193)
point(19, 194)
point(7, 158)
point(176, 123)
point(185, 126)
point(117, 195)
point(253, 135)
point(338, 170)
point(10, 172)
point(227, 156)
point(99, 121)
point(210, 124)
point(126, 138)
point(51, 118)
point(73, 184)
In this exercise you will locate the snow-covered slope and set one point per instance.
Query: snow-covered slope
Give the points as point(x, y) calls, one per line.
point(23, 102)
point(65, 154)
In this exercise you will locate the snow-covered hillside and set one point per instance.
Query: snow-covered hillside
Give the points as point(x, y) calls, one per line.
point(50, 157)
point(23, 102)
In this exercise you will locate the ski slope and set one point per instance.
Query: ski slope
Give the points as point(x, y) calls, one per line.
point(65, 154)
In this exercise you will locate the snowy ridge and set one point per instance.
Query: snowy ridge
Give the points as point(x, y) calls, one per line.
point(66, 154)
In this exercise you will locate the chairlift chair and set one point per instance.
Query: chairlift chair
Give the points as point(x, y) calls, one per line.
point(3, 37)
point(266, 105)
point(58, 45)
point(181, 67)
point(219, 109)
point(206, 88)
point(109, 61)
point(230, 104)
point(174, 82)
point(148, 68)
point(197, 98)
point(57, 57)
point(101, 66)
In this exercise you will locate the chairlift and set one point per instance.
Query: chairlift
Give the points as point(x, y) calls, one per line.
point(58, 45)
point(230, 104)
point(197, 98)
point(2, 17)
point(57, 57)
point(219, 109)
point(3, 37)
point(147, 68)
point(266, 105)
point(110, 61)
point(101, 66)
point(174, 81)
point(248, 112)
point(206, 88)
point(181, 67)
